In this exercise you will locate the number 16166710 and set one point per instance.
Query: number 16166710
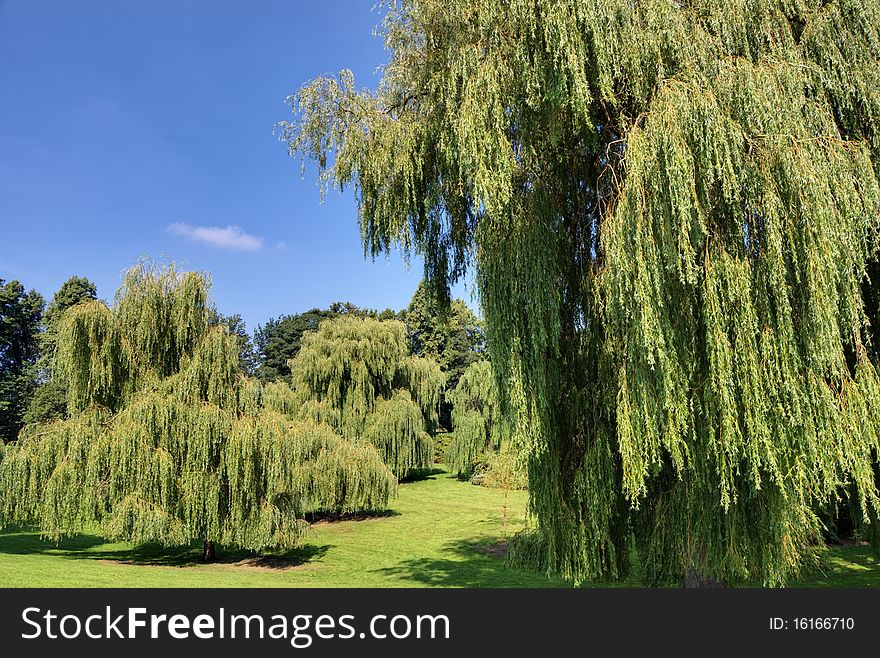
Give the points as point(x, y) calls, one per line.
point(812, 624)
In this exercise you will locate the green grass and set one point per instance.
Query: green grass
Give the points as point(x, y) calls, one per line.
point(845, 566)
point(438, 533)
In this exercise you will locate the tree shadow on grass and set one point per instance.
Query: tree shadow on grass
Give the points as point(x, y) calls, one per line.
point(27, 541)
point(189, 556)
point(87, 547)
point(850, 565)
point(328, 517)
point(481, 563)
point(471, 563)
point(421, 474)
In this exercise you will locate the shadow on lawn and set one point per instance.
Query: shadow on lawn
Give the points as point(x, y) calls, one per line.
point(189, 556)
point(481, 564)
point(421, 474)
point(472, 563)
point(86, 547)
point(329, 517)
point(844, 565)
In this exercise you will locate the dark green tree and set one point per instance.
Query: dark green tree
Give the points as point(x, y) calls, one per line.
point(671, 207)
point(448, 333)
point(49, 401)
point(21, 313)
point(50, 398)
point(280, 339)
point(477, 421)
point(247, 356)
point(73, 291)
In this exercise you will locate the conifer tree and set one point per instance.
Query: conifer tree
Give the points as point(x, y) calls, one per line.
point(671, 207)
point(21, 315)
point(167, 441)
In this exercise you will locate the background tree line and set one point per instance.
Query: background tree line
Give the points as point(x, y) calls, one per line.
point(28, 335)
point(449, 333)
point(445, 331)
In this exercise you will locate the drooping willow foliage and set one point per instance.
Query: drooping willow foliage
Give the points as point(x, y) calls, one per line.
point(671, 207)
point(167, 440)
point(477, 421)
point(357, 375)
point(396, 428)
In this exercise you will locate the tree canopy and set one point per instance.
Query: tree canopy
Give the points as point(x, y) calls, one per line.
point(477, 420)
point(358, 375)
point(447, 332)
point(168, 441)
point(280, 339)
point(672, 207)
point(50, 398)
point(73, 291)
point(247, 356)
point(450, 334)
point(21, 314)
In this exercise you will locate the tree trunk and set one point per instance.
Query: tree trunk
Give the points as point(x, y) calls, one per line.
point(693, 579)
point(504, 522)
point(209, 553)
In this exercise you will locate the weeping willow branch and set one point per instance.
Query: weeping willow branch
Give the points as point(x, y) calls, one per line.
point(476, 418)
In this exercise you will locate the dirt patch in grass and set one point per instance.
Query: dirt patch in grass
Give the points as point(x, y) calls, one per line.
point(138, 563)
point(496, 549)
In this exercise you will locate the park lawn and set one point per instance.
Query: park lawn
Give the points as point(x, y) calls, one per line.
point(439, 532)
point(853, 565)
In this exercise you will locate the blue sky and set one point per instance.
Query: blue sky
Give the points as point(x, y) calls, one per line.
point(132, 129)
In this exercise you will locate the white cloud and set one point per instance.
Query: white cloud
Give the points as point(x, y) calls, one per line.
point(226, 237)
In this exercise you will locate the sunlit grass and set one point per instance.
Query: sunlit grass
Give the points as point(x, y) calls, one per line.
point(439, 533)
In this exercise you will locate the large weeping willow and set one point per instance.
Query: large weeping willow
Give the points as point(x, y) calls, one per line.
point(357, 375)
point(168, 442)
point(671, 207)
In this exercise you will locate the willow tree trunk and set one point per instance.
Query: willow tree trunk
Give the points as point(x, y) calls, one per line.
point(693, 579)
point(209, 553)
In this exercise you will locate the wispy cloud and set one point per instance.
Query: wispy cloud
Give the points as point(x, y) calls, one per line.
point(223, 237)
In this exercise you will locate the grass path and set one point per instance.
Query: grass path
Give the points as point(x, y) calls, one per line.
point(439, 533)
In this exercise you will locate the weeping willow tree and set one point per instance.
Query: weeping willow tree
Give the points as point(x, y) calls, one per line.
point(476, 418)
point(357, 375)
point(168, 442)
point(671, 207)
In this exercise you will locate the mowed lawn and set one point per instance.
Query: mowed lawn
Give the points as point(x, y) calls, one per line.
point(439, 532)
